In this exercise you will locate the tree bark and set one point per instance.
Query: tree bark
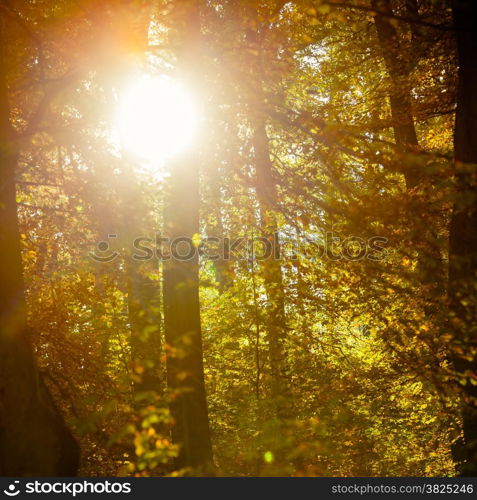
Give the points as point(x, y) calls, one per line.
point(34, 440)
point(429, 268)
point(463, 228)
point(145, 322)
point(272, 271)
point(144, 302)
point(183, 335)
point(400, 94)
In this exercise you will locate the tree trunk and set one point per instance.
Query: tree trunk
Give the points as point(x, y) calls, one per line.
point(272, 271)
point(463, 228)
point(429, 268)
point(34, 440)
point(145, 323)
point(215, 226)
point(185, 371)
point(143, 292)
point(400, 95)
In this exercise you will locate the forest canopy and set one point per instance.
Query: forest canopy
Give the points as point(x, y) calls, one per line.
point(238, 238)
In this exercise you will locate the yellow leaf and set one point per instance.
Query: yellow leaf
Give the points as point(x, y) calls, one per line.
point(196, 239)
point(268, 457)
point(324, 9)
point(139, 445)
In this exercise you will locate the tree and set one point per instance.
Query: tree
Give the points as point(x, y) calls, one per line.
point(400, 97)
point(34, 439)
point(185, 370)
point(463, 229)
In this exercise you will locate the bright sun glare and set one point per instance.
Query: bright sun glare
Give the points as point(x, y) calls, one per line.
point(157, 119)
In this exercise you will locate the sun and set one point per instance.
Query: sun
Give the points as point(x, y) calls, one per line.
point(157, 119)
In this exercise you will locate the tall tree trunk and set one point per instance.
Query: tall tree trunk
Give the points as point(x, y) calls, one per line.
point(143, 292)
point(34, 440)
point(398, 64)
point(145, 323)
point(265, 188)
point(400, 94)
point(185, 371)
point(463, 228)
point(215, 225)
point(272, 270)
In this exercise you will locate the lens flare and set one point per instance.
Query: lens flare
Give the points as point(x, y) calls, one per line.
point(157, 119)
